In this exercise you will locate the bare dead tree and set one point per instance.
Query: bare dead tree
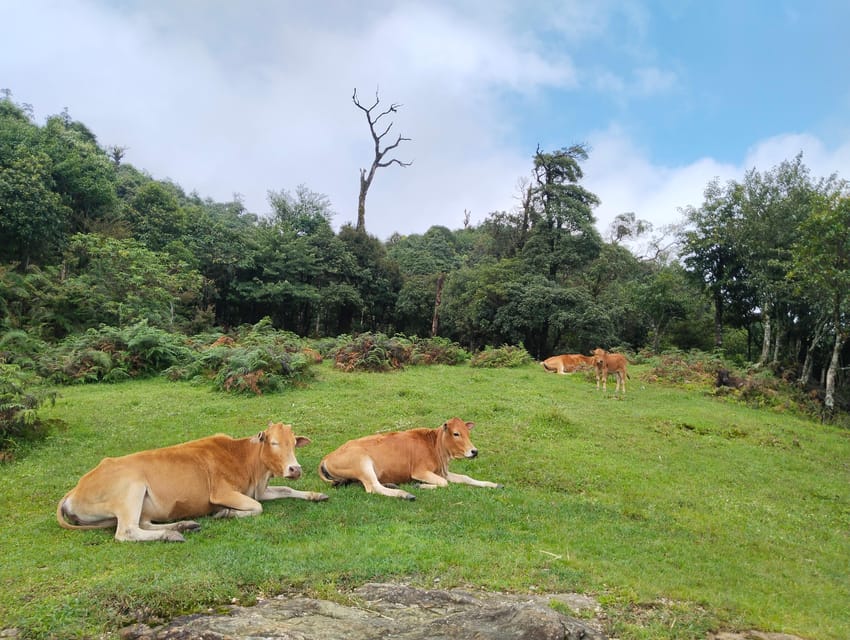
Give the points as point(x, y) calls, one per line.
point(379, 161)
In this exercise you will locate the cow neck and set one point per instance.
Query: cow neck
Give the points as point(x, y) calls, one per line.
point(442, 452)
point(258, 473)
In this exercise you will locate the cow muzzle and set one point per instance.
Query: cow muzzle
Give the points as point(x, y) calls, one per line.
point(293, 471)
point(472, 453)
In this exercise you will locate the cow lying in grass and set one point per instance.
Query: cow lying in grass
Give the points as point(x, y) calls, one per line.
point(141, 493)
point(567, 363)
point(381, 461)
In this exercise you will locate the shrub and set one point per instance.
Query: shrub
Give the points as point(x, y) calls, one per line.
point(373, 352)
point(504, 356)
point(686, 369)
point(20, 398)
point(21, 348)
point(254, 359)
point(109, 354)
point(437, 351)
point(255, 370)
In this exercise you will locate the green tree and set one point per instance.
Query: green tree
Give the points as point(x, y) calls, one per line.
point(156, 216)
point(562, 236)
point(377, 279)
point(662, 298)
point(774, 205)
point(33, 218)
point(121, 282)
point(713, 251)
point(821, 265)
point(83, 174)
point(304, 213)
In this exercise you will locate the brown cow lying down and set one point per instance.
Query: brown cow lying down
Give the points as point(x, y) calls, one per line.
point(384, 460)
point(567, 363)
point(218, 475)
point(610, 363)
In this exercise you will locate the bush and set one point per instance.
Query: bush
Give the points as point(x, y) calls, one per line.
point(504, 356)
point(20, 398)
point(110, 354)
point(21, 348)
point(255, 370)
point(437, 351)
point(373, 352)
point(257, 360)
point(686, 369)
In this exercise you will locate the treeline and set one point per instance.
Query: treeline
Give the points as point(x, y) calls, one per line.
point(759, 269)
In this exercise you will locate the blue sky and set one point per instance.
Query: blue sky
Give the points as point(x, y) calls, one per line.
point(241, 98)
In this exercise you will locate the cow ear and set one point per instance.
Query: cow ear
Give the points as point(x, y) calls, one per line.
point(469, 425)
point(302, 441)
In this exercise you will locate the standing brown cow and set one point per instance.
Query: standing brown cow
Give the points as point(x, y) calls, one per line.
point(610, 363)
point(402, 456)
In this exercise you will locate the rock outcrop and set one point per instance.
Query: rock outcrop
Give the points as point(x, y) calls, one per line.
point(382, 611)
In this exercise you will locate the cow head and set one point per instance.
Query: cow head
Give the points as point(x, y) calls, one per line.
point(455, 436)
point(599, 357)
point(278, 450)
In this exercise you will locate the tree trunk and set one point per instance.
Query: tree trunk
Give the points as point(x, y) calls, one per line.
point(361, 201)
point(809, 361)
point(438, 300)
point(776, 345)
point(829, 400)
point(765, 344)
point(718, 321)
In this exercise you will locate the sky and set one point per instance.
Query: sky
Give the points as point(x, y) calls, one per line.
point(236, 99)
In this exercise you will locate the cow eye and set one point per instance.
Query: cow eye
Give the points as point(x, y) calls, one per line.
point(457, 434)
point(274, 443)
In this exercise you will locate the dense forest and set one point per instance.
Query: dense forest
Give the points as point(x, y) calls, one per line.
point(760, 270)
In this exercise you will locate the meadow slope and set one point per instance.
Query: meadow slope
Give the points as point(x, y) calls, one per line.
point(681, 512)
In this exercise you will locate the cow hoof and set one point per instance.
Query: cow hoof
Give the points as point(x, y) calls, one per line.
point(173, 536)
point(320, 497)
point(409, 496)
point(188, 525)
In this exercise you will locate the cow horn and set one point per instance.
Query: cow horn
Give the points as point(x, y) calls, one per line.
point(261, 436)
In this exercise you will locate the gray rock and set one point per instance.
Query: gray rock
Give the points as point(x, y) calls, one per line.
point(389, 611)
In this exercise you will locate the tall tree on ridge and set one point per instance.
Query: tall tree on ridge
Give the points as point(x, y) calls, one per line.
point(379, 161)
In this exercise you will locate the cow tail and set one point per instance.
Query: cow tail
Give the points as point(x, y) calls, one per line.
point(327, 477)
point(62, 518)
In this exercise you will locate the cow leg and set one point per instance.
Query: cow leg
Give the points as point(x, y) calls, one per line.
point(182, 525)
point(234, 504)
point(129, 516)
point(462, 479)
point(370, 482)
point(272, 493)
point(429, 479)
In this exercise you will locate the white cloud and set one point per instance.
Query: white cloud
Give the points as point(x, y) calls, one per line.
point(820, 159)
point(244, 98)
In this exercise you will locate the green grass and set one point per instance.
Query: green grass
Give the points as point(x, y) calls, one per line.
point(680, 512)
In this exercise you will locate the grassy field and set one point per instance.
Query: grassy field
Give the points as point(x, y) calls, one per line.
point(682, 513)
